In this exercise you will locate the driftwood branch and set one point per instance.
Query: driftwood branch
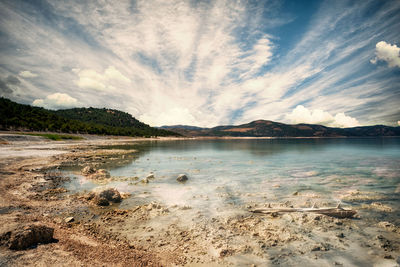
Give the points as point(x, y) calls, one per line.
point(337, 212)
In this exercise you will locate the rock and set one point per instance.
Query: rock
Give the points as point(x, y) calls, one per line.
point(295, 193)
point(182, 178)
point(27, 236)
point(111, 195)
point(321, 247)
point(88, 170)
point(225, 252)
point(69, 219)
point(100, 174)
point(316, 248)
point(106, 196)
point(341, 235)
point(92, 173)
point(378, 206)
point(150, 176)
point(125, 195)
point(389, 227)
point(385, 243)
point(101, 201)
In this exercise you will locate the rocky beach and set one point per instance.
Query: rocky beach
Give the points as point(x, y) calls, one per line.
point(45, 223)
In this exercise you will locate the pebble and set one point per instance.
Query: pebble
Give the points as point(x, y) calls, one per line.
point(69, 219)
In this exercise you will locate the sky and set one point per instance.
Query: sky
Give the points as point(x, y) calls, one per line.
point(207, 63)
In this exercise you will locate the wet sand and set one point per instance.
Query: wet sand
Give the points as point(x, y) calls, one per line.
point(150, 233)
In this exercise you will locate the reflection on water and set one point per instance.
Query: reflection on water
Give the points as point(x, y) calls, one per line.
point(235, 172)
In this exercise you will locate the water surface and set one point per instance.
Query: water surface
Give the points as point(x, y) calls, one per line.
point(242, 171)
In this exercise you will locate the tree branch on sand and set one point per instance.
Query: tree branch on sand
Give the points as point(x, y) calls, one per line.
point(337, 212)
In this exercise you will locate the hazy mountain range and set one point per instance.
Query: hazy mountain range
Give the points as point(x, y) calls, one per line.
point(265, 128)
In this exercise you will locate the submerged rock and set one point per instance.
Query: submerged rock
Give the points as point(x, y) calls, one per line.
point(100, 174)
point(92, 173)
point(377, 206)
point(88, 170)
point(182, 178)
point(27, 236)
point(150, 176)
point(389, 227)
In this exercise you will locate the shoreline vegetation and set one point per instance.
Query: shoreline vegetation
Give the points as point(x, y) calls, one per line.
point(109, 122)
point(55, 136)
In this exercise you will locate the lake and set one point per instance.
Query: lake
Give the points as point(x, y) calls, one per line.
point(242, 171)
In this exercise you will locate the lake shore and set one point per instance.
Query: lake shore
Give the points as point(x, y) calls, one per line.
point(32, 192)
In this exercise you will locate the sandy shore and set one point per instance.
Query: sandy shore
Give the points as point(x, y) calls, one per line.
point(32, 191)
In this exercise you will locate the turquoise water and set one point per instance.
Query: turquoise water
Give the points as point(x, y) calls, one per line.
point(239, 172)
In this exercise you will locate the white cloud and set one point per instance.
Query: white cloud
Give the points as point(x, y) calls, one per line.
point(56, 101)
point(302, 114)
point(92, 80)
point(387, 52)
point(341, 120)
point(27, 74)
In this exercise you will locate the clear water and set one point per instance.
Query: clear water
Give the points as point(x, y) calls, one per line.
point(239, 172)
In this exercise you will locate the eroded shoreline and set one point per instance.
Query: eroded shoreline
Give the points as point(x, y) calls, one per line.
point(156, 234)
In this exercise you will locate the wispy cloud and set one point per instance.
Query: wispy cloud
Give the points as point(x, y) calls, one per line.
point(27, 74)
point(202, 63)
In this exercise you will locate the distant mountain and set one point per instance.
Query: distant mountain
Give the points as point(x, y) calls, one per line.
point(187, 130)
point(265, 128)
point(14, 116)
point(186, 127)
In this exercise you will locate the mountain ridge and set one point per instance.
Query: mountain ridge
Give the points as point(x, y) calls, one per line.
point(267, 128)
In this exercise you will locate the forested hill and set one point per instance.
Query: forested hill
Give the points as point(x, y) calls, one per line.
point(110, 117)
point(14, 116)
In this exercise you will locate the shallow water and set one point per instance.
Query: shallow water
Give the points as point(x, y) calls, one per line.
point(239, 172)
point(227, 177)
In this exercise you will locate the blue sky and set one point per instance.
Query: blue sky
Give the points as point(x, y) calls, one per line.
point(207, 63)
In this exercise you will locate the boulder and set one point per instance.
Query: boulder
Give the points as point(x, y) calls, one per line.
point(182, 178)
point(103, 198)
point(27, 236)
